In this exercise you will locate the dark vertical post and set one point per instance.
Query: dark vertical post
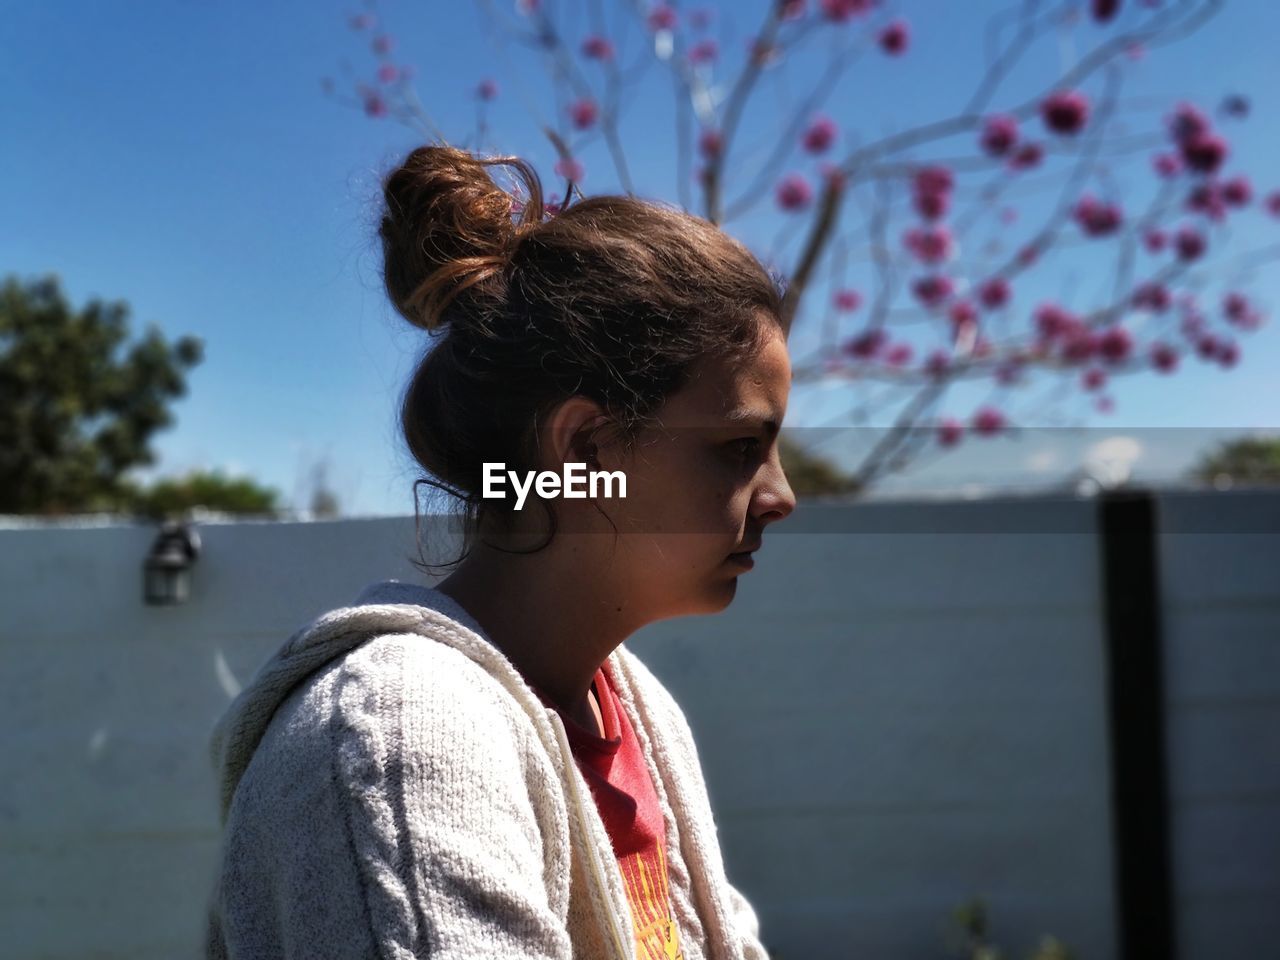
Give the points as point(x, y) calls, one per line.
point(1135, 697)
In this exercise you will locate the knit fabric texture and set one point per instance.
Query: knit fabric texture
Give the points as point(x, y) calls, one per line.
point(391, 787)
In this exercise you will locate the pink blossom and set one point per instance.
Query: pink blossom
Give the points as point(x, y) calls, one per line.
point(950, 430)
point(1053, 320)
point(994, 294)
point(1026, 156)
point(596, 47)
point(662, 17)
point(1235, 305)
point(1029, 254)
point(841, 11)
point(387, 73)
point(895, 37)
point(999, 134)
point(1152, 296)
point(487, 89)
point(1115, 344)
point(1207, 198)
point(1273, 203)
point(932, 206)
point(1187, 121)
point(1189, 243)
point(1238, 191)
point(1104, 10)
point(962, 313)
point(935, 179)
point(794, 192)
point(938, 363)
point(1154, 240)
point(1097, 219)
point(704, 51)
point(847, 300)
point(932, 188)
point(1228, 353)
point(987, 421)
point(933, 290)
point(1164, 357)
point(710, 143)
point(584, 113)
point(374, 105)
point(866, 344)
point(929, 244)
point(570, 169)
point(361, 21)
point(898, 355)
point(1066, 111)
point(1167, 164)
point(527, 6)
point(1207, 346)
point(1095, 378)
point(1078, 343)
point(1204, 152)
point(382, 44)
point(820, 134)
point(1105, 404)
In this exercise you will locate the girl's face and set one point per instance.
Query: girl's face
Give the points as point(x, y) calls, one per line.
point(702, 484)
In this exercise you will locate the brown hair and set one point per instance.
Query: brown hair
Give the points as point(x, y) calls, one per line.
point(612, 298)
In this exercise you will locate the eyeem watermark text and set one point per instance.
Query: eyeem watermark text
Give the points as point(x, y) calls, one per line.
point(549, 483)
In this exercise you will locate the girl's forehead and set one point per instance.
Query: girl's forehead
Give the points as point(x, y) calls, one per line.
point(720, 395)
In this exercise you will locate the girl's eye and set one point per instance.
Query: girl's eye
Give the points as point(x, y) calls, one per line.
point(746, 446)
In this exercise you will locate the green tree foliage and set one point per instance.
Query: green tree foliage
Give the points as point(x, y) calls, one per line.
point(810, 475)
point(78, 405)
point(1244, 461)
point(213, 490)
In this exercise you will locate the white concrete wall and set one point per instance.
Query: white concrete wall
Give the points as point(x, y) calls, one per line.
point(893, 715)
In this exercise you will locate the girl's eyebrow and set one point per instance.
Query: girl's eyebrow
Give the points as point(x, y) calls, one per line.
point(748, 415)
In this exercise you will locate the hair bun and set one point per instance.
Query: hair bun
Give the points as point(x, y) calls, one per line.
point(446, 228)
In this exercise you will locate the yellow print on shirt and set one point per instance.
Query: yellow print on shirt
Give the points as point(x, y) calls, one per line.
point(655, 931)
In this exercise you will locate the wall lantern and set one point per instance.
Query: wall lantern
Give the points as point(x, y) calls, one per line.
point(167, 571)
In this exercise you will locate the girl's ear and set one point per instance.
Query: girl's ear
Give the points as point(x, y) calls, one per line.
point(567, 430)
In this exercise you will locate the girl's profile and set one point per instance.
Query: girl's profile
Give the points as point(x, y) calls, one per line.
point(480, 766)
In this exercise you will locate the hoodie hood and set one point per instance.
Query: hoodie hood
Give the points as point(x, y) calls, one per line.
point(387, 606)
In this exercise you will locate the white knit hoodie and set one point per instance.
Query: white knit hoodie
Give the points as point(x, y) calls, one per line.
point(391, 787)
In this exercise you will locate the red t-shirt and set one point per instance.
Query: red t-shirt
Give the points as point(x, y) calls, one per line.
point(615, 769)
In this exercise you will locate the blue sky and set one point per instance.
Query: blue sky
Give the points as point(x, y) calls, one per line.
point(183, 157)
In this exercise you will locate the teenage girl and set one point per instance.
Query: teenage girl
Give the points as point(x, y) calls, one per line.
point(482, 768)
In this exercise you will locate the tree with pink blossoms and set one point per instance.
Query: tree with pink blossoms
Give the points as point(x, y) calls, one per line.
point(922, 261)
